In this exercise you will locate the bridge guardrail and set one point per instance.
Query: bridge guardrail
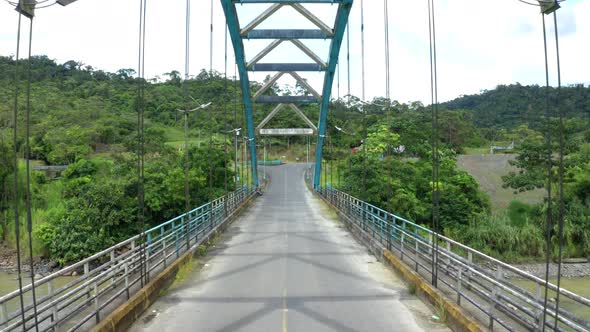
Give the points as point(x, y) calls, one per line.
point(115, 273)
point(467, 273)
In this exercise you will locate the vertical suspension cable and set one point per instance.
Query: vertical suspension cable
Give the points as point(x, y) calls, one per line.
point(140, 138)
point(435, 134)
point(363, 47)
point(338, 84)
point(225, 109)
point(387, 70)
point(331, 163)
point(15, 194)
point(186, 109)
point(211, 172)
point(561, 171)
point(244, 170)
point(348, 56)
point(236, 136)
point(363, 100)
point(549, 216)
point(28, 175)
point(211, 42)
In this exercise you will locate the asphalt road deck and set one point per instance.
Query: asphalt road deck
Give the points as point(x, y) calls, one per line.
point(288, 265)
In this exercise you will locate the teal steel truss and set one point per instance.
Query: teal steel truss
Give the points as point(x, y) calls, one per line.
point(275, 37)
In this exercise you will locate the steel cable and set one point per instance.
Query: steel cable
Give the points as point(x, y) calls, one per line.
point(211, 43)
point(140, 138)
point(211, 121)
point(236, 136)
point(548, 141)
point(348, 56)
point(435, 149)
point(387, 70)
point(363, 100)
point(15, 194)
point(28, 175)
point(225, 109)
point(560, 171)
point(186, 105)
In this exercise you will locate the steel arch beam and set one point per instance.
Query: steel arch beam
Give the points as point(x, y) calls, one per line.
point(233, 26)
point(335, 35)
point(339, 28)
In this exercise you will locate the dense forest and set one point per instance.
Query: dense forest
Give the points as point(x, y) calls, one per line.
point(86, 118)
point(509, 106)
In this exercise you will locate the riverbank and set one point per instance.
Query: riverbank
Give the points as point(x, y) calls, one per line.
point(578, 269)
point(8, 262)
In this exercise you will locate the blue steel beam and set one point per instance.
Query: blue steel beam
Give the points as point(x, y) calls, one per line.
point(286, 67)
point(286, 34)
point(339, 28)
point(286, 100)
point(233, 26)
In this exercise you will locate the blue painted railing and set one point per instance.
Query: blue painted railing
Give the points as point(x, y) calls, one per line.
point(463, 272)
point(112, 276)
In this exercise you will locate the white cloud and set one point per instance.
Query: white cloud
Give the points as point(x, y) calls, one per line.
point(480, 43)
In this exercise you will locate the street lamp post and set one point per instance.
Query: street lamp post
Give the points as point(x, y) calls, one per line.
point(264, 148)
point(245, 162)
point(236, 174)
point(186, 159)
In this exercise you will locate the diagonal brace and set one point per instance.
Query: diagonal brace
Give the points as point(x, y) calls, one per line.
point(312, 18)
point(260, 18)
point(268, 84)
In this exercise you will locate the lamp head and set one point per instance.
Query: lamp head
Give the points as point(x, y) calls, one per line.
point(548, 6)
point(65, 2)
point(26, 7)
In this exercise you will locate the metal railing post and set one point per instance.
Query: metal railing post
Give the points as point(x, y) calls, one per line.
point(86, 271)
point(403, 237)
point(113, 264)
point(211, 222)
point(448, 246)
point(3, 314)
point(389, 235)
point(96, 304)
point(417, 252)
point(126, 266)
point(470, 260)
point(539, 315)
point(459, 276)
point(147, 265)
point(54, 308)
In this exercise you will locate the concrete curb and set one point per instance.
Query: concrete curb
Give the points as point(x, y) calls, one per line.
point(458, 319)
point(127, 313)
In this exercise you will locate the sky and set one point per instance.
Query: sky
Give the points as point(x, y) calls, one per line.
point(480, 44)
